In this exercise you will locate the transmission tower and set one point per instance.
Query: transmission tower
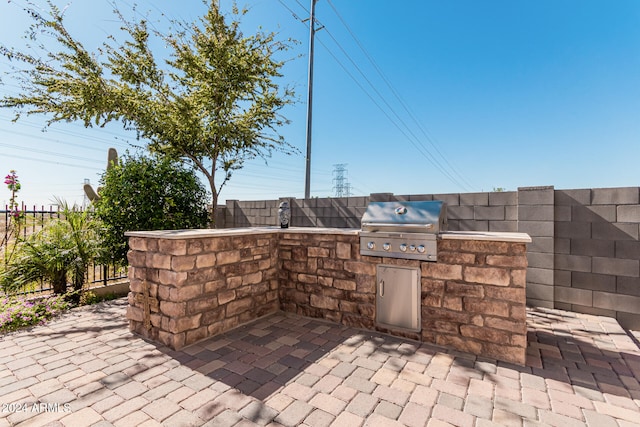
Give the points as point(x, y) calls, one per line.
point(341, 186)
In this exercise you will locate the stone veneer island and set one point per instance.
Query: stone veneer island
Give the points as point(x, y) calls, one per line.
point(188, 285)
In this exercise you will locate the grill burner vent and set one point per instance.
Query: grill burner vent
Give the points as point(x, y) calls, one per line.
point(405, 230)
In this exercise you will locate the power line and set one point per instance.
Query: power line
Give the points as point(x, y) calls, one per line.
point(409, 138)
point(418, 145)
point(35, 125)
point(297, 18)
point(51, 153)
point(41, 138)
point(398, 122)
point(15, 156)
point(395, 93)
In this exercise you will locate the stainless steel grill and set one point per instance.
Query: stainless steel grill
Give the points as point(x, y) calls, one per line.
point(405, 230)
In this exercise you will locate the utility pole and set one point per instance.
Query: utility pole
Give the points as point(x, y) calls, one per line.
point(312, 32)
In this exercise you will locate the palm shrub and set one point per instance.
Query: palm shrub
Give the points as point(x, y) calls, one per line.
point(60, 252)
point(84, 234)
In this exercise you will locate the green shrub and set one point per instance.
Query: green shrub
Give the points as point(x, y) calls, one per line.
point(147, 193)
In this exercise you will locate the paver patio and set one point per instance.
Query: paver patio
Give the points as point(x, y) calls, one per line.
point(87, 369)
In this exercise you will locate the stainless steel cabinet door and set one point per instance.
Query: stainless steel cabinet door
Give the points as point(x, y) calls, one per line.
point(398, 297)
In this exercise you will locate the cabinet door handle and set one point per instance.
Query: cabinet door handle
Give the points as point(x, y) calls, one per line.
point(381, 287)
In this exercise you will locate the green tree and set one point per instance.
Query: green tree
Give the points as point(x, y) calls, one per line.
point(215, 102)
point(60, 252)
point(147, 193)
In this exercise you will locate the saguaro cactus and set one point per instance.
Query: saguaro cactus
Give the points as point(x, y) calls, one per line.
point(112, 160)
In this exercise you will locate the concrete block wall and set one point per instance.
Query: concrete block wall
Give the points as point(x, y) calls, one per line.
point(254, 213)
point(597, 256)
point(585, 253)
point(481, 211)
point(536, 217)
point(496, 211)
point(342, 212)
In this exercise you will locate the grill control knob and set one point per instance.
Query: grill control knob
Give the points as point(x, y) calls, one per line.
point(403, 247)
point(386, 246)
point(421, 249)
point(412, 248)
point(371, 245)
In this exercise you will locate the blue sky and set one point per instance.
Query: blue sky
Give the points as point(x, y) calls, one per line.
point(447, 96)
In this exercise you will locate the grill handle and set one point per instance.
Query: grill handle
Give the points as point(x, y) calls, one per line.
point(395, 224)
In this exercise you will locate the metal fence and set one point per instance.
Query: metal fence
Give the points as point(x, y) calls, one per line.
point(35, 219)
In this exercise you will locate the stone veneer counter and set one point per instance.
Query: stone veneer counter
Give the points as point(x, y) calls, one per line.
point(187, 285)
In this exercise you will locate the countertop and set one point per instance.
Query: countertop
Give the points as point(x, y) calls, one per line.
point(202, 233)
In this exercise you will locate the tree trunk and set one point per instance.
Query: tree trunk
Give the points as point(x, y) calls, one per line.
point(214, 202)
point(78, 276)
point(212, 213)
point(59, 282)
point(78, 282)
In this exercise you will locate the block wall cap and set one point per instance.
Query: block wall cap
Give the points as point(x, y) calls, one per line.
point(495, 236)
point(538, 188)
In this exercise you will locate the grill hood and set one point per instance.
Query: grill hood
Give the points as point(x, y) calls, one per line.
point(405, 217)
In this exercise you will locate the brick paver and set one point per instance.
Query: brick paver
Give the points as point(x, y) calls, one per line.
point(288, 370)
